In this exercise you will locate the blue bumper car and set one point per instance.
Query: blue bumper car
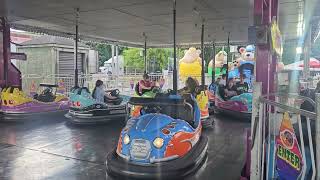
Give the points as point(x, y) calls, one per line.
point(165, 141)
point(86, 110)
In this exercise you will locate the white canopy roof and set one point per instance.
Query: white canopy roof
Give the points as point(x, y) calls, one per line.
point(124, 21)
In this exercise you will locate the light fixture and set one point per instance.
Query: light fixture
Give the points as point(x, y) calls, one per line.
point(299, 50)
point(126, 139)
point(158, 142)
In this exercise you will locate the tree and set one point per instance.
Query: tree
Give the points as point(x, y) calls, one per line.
point(132, 58)
point(104, 51)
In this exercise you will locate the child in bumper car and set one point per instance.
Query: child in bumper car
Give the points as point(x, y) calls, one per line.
point(230, 90)
point(145, 84)
point(101, 95)
point(242, 86)
point(190, 86)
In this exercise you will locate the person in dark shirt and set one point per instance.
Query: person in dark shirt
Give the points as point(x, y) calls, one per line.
point(242, 87)
point(230, 89)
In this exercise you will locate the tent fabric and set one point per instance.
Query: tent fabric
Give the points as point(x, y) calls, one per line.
point(314, 65)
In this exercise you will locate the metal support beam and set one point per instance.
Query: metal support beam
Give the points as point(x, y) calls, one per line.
point(117, 65)
point(175, 75)
point(228, 59)
point(256, 123)
point(6, 35)
point(113, 64)
point(76, 83)
point(264, 12)
point(307, 49)
point(318, 135)
point(213, 62)
point(202, 55)
point(145, 54)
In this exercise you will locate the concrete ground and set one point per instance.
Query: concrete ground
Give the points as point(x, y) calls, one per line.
point(48, 148)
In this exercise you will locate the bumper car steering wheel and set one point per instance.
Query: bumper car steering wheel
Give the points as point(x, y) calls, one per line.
point(115, 92)
point(150, 109)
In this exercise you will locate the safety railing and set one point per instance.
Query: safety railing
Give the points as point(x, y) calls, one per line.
point(30, 82)
point(125, 83)
point(285, 139)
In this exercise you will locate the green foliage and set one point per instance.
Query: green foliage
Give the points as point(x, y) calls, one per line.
point(132, 58)
point(104, 51)
point(161, 55)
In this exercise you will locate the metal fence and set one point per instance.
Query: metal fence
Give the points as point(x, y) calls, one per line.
point(125, 83)
point(267, 115)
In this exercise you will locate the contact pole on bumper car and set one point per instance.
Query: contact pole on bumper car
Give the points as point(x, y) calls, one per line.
point(145, 53)
point(206, 121)
point(175, 76)
point(228, 58)
point(76, 84)
point(202, 55)
point(213, 62)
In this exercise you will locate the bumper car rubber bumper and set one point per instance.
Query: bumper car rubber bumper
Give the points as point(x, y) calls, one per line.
point(26, 116)
point(174, 169)
point(92, 117)
point(238, 114)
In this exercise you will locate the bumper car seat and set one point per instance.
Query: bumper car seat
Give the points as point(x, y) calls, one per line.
point(46, 96)
point(184, 112)
point(113, 98)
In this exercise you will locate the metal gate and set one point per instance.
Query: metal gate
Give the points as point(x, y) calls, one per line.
point(66, 62)
point(275, 150)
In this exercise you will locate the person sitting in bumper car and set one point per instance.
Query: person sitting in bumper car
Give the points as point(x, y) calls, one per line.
point(242, 86)
point(230, 90)
point(145, 85)
point(101, 95)
point(190, 86)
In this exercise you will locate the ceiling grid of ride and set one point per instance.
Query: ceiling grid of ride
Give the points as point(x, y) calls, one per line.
point(124, 21)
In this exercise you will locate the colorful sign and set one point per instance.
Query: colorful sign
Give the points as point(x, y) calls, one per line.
point(61, 87)
point(33, 89)
point(161, 82)
point(288, 155)
point(131, 84)
point(276, 38)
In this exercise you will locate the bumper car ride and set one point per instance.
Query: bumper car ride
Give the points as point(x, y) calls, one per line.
point(86, 110)
point(16, 105)
point(238, 106)
point(165, 141)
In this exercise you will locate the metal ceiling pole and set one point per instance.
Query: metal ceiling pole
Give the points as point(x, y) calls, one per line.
point(117, 65)
point(76, 83)
point(228, 57)
point(202, 55)
point(213, 62)
point(307, 49)
point(6, 35)
point(113, 63)
point(175, 75)
point(145, 53)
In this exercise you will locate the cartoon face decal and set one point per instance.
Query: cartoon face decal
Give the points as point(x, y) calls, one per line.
point(287, 138)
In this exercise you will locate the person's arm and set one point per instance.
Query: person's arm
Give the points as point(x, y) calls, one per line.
point(226, 92)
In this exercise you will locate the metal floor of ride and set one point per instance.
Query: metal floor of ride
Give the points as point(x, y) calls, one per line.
point(50, 149)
